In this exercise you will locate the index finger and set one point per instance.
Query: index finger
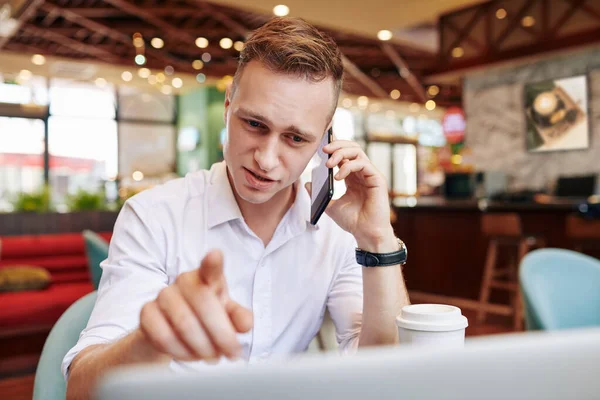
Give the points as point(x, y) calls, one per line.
point(211, 269)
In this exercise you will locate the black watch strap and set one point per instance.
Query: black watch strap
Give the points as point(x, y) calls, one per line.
point(368, 259)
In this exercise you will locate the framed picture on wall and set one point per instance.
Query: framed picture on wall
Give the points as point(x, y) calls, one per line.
point(557, 114)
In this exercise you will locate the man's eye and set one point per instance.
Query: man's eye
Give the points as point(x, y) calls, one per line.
point(297, 139)
point(254, 124)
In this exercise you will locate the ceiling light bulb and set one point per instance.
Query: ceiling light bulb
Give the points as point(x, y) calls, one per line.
point(281, 10)
point(143, 73)
point(501, 13)
point(38, 59)
point(25, 74)
point(127, 76)
point(166, 89)
point(197, 65)
point(140, 59)
point(363, 101)
point(137, 176)
point(239, 46)
point(395, 94)
point(430, 105)
point(169, 70)
point(157, 43)
point(100, 82)
point(202, 42)
point(226, 43)
point(206, 57)
point(384, 35)
point(177, 83)
point(528, 21)
point(138, 42)
point(201, 78)
point(433, 90)
point(458, 52)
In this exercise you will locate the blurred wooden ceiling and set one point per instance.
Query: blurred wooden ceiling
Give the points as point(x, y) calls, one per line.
point(102, 30)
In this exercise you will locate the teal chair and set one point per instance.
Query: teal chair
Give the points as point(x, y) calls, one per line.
point(561, 289)
point(49, 381)
point(97, 251)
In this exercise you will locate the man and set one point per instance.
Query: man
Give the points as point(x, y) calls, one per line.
point(264, 291)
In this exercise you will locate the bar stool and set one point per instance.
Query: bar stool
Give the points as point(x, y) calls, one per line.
point(583, 233)
point(504, 231)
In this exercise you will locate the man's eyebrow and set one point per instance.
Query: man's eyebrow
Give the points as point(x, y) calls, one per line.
point(292, 128)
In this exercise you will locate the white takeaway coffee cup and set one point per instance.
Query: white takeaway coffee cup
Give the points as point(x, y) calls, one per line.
point(436, 325)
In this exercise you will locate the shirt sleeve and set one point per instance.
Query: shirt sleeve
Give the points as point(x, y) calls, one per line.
point(132, 275)
point(345, 301)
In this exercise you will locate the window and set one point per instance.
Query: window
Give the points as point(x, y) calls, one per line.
point(80, 99)
point(83, 124)
point(21, 157)
point(82, 137)
point(23, 90)
point(83, 154)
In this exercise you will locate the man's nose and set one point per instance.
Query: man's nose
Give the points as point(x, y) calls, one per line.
point(267, 154)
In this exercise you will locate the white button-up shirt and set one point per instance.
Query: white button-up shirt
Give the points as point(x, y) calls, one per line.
point(165, 231)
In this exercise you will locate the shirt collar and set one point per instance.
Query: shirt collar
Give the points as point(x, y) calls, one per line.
point(300, 211)
point(222, 206)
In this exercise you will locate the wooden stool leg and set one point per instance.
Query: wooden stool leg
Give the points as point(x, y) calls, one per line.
point(488, 275)
point(517, 300)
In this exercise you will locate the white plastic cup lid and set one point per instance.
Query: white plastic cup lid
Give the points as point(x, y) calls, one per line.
point(431, 317)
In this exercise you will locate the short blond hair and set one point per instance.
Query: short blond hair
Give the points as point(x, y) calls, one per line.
point(293, 46)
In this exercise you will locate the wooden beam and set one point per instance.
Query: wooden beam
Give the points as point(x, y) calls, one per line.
point(70, 43)
point(588, 9)
point(514, 23)
point(466, 31)
point(405, 71)
point(111, 12)
point(222, 17)
point(575, 5)
point(27, 12)
point(360, 76)
point(467, 39)
point(580, 39)
point(146, 30)
point(147, 16)
point(115, 35)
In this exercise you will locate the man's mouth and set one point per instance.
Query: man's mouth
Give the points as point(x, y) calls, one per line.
point(259, 177)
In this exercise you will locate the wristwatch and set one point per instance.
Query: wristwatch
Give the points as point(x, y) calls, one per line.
point(368, 259)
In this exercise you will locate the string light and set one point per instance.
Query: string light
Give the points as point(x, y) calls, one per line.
point(197, 65)
point(177, 83)
point(384, 35)
point(38, 59)
point(157, 43)
point(226, 43)
point(140, 59)
point(202, 42)
point(281, 10)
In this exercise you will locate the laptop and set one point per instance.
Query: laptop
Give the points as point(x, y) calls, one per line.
point(542, 365)
point(576, 186)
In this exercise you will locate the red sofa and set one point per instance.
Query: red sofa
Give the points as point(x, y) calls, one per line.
point(63, 255)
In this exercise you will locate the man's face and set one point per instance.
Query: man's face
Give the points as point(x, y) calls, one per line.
point(275, 123)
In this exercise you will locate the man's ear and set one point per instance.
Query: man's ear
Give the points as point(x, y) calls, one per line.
point(227, 103)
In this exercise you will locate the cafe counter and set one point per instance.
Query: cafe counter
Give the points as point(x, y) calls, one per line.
point(446, 247)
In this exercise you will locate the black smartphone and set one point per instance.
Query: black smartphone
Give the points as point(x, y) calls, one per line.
point(322, 181)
